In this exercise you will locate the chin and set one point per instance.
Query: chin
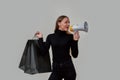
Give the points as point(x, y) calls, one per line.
point(66, 30)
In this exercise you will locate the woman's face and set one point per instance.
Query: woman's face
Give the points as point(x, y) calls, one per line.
point(64, 24)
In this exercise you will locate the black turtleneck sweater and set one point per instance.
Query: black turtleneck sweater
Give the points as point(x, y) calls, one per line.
point(61, 42)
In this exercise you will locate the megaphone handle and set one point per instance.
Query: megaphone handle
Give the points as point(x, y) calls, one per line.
point(75, 31)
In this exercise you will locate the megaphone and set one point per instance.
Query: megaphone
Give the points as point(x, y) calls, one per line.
point(76, 27)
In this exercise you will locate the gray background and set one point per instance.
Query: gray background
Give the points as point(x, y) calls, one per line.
point(99, 49)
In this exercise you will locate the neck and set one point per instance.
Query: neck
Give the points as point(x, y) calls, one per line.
point(60, 29)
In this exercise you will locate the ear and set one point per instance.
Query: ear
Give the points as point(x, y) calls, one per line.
point(59, 23)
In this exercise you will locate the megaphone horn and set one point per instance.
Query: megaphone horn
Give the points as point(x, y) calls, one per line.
point(85, 26)
point(76, 27)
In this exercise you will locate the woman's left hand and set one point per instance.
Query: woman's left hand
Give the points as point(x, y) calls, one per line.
point(76, 36)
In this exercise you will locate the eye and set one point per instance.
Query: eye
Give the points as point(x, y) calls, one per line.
point(67, 21)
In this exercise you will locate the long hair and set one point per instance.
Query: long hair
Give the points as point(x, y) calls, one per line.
point(59, 19)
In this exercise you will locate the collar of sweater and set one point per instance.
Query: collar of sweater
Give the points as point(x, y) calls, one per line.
point(60, 32)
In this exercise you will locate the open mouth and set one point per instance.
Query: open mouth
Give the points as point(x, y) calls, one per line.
point(67, 28)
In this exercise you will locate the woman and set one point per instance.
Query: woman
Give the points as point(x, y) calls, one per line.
point(61, 43)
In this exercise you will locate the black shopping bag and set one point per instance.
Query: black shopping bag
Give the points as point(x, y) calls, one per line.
point(32, 61)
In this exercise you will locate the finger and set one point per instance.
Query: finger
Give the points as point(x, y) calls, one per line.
point(75, 32)
point(36, 33)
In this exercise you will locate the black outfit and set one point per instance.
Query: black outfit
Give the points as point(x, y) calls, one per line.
point(61, 42)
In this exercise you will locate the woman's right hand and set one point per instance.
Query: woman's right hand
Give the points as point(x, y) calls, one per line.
point(38, 34)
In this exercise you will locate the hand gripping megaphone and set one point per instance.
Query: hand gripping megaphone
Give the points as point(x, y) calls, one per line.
point(76, 27)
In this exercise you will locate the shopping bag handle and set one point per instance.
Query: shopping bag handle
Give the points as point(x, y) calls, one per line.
point(34, 37)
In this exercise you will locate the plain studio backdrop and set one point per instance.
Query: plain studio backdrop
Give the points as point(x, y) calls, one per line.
point(99, 49)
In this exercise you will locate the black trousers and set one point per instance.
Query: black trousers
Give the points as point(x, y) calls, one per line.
point(64, 71)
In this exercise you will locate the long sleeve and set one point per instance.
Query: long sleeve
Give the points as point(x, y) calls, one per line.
point(74, 48)
point(44, 46)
